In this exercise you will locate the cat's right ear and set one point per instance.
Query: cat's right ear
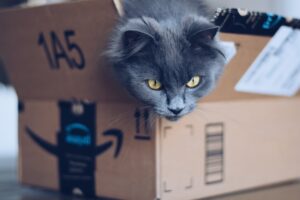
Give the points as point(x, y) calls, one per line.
point(134, 41)
point(198, 37)
point(135, 37)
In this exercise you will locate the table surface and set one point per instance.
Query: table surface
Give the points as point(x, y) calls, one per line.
point(11, 190)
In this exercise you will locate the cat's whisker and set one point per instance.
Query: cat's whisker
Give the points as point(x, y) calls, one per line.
point(153, 120)
point(218, 113)
point(120, 118)
point(202, 115)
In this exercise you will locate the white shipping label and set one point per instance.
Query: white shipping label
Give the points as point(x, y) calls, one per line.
point(276, 71)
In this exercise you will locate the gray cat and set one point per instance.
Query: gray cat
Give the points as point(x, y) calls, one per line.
point(165, 52)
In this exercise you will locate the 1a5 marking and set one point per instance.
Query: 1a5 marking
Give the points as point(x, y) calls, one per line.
point(56, 51)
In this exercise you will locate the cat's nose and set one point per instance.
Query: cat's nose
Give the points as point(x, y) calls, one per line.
point(176, 105)
point(176, 111)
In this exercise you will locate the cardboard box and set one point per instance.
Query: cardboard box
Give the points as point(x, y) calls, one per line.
point(290, 191)
point(81, 133)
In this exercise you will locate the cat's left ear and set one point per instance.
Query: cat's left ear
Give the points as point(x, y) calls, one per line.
point(203, 35)
point(135, 41)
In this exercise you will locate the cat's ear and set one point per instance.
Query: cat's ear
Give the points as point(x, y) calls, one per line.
point(134, 41)
point(132, 38)
point(203, 35)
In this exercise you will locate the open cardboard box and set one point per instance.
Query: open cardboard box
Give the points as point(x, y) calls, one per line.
point(81, 133)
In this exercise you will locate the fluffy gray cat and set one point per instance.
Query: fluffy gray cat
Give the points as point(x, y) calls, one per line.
point(165, 52)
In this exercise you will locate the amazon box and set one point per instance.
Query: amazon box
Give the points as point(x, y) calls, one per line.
point(290, 191)
point(81, 133)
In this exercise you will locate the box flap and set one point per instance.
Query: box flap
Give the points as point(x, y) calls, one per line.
point(248, 48)
point(55, 51)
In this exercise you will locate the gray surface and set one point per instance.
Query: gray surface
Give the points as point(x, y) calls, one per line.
point(11, 190)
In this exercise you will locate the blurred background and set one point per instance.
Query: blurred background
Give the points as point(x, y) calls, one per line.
point(8, 98)
point(288, 8)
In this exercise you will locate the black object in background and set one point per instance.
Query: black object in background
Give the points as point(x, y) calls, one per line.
point(254, 23)
point(3, 75)
point(7, 3)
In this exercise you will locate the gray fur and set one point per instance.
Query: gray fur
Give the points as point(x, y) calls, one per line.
point(170, 41)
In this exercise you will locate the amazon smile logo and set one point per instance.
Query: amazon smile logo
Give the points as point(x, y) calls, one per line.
point(76, 147)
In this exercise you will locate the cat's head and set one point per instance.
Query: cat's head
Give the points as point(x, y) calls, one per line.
point(167, 66)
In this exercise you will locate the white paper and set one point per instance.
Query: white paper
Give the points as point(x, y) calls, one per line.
point(276, 71)
point(229, 50)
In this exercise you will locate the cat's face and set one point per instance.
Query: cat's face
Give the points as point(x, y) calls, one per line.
point(168, 67)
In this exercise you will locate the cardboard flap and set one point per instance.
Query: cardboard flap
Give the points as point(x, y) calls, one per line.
point(119, 7)
point(56, 51)
point(248, 48)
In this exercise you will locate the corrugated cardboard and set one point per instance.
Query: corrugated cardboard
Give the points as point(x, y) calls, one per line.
point(217, 149)
point(129, 176)
point(289, 191)
point(90, 24)
point(87, 23)
point(233, 141)
point(255, 152)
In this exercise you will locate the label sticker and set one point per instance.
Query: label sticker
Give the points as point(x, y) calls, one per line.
point(276, 71)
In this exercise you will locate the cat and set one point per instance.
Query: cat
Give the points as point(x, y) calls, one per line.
point(167, 54)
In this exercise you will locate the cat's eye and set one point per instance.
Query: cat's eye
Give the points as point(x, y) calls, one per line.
point(194, 82)
point(154, 84)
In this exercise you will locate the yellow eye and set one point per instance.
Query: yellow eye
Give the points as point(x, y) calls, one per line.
point(154, 84)
point(194, 82)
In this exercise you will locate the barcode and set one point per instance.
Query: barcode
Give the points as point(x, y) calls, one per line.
point(214, 156)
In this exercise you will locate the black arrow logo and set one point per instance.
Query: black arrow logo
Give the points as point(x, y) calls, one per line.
point(55, 150)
